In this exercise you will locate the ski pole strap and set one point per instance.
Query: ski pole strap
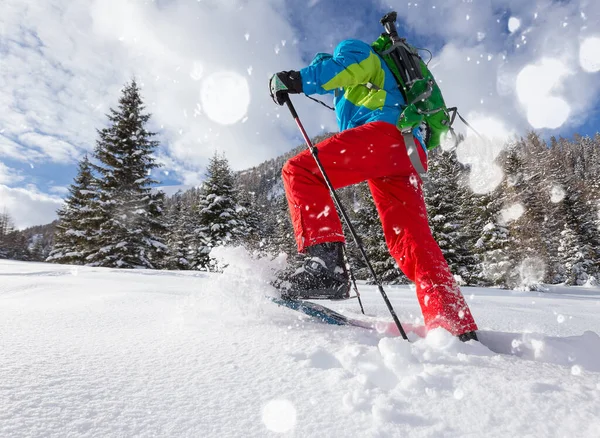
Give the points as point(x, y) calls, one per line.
point(321, 102)
point(413, 153)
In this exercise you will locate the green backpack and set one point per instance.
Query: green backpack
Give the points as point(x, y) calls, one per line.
point(424, 100)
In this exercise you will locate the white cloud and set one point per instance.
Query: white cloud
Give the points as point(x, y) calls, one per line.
point(28, 206)
point(8, 175)
point(51, 146)
point(66, 62)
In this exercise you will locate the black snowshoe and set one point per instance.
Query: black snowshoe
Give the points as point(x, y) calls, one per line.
point(323, 275)
point(468, 336)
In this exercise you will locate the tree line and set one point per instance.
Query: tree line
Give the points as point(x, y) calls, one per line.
point(114, 216)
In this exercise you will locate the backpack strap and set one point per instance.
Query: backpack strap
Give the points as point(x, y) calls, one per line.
point(413, 153)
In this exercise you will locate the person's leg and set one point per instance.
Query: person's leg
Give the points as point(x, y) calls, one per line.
point(401, 207)
point(350, 157)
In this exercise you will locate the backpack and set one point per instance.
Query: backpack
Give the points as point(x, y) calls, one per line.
point(424, 101)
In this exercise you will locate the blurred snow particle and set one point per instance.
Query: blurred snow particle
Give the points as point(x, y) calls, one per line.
point(197, 71)
point(247, 36)
point(557, 194)
point(538, 80)
point(481, 152)
point(576, 370)
point(513, 24)
point(532, 271)
point(589, 54)
point(535, 85)
point(279, 416)
point(225, 97)
point(549, 112)
point(325, 212)
point(511, 213)
point(560, 319)
point(459, 394)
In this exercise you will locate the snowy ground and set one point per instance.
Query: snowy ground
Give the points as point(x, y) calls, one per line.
point(99, 352)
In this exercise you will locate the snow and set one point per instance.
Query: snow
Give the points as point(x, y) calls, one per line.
point(511, 213)
point(589, 54)
point(197, 71)
point(107, 352)
point(513, 24)
point(557, 194)
point(480, 151)
point(536, 86)
point(225, 97)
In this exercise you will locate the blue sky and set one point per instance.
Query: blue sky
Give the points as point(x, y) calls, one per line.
point(509, 66)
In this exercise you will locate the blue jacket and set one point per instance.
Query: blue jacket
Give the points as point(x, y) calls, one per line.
point(345, 74)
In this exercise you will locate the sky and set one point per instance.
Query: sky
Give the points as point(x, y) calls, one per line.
point(510, 66)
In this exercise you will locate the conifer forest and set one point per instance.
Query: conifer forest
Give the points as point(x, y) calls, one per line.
point(540, 225)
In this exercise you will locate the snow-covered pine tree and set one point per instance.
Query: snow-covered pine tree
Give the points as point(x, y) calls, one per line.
point(570, 211)
point(6, 228)
point(447, 199)
point(130, 212)
point(580, 260)
point(522, 188)
point(78, 219)
point(218, 219)
point(248, 216)
point(368, 226)
point(575, 264)
point(276, 227)
point(178, 230)
point(493, 247)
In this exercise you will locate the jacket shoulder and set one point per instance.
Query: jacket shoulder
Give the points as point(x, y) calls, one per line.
point(351, 45)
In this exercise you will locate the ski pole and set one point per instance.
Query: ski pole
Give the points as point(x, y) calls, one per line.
point(314, 151)
point(353, 279)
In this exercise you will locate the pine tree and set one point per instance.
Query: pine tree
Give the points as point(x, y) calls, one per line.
point(493, 246)
point(521, 187)
point(77, 219)
point(6, 229)
point(575, 265)
point(446, 197)
point(368, 226)
point(218, 219)
point(573, 219)
point(277, 229)
point(248, 216)
point(178, 226)
point(130, 213)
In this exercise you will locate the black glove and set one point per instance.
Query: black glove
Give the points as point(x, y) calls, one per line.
point(283, 83)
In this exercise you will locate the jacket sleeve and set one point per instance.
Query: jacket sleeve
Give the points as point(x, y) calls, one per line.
point(353, 63)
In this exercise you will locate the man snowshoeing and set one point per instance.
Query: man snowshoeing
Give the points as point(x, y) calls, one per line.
point(369, 147)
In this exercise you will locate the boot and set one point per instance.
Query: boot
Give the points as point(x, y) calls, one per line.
point(322, 276)
point(468, 336)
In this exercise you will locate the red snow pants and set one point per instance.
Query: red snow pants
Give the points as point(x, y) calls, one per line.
point(376, 153)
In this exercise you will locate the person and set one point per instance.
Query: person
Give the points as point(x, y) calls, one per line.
point(369, 147)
